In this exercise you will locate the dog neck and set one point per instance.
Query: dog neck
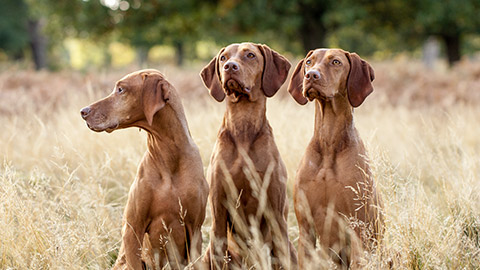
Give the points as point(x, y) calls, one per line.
point(168, 138)
point(245, 120)
point(334, 128)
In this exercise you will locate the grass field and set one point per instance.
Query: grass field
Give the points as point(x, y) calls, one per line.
point(63, 187)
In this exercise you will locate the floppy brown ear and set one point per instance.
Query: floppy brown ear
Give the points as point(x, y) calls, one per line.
point(275, 70)
point(359, 83)
point(211, 78)
point(156, 91)
point(295, 87)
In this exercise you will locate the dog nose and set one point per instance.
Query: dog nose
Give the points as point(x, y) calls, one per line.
point(312, 74)
point(231, 66)
point(84, 112)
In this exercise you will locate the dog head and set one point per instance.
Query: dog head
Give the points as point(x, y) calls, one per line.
point(245, 71)
point(325, 73)
point(136, 97)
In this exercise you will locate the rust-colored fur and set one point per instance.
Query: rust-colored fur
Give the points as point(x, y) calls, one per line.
point(246, 74)
point(169, 179)
point(335, 165)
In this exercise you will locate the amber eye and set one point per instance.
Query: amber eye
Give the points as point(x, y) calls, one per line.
point(308, 62)
point(336, 62)
point(222, 58)
point(251, 55)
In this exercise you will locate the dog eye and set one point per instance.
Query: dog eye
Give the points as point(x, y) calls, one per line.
point(120, 90)
point(336, 62)
point(308, 62)
point(251, 55)
point(222, 58)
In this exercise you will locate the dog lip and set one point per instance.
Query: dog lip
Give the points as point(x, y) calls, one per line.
point(95, 129)
point(92, 127)
point(308, 94)
point(107, 129)
point(312, 93)
point(111, 128)
point(232, 86)
point(232, 83)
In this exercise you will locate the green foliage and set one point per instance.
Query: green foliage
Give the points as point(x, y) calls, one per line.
point(427, 17)
point(79, 18)
point(260, 21)
point(448, 17)
point(413, 21)
point(365, 26)
point(161, 22)
point(13, 27)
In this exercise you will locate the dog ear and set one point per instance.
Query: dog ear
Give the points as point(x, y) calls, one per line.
point(295, 87)
point(156, 91)
point(359, 82)
point(275, 70)
point(211, 78)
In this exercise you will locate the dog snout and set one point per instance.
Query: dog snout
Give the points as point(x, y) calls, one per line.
point(231, 66)
point(84, 112)
point(312, 75)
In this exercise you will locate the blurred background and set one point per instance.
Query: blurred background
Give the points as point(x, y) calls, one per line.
point(81, 34)
point(63, 187)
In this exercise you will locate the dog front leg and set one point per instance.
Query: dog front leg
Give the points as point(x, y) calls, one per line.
point(284, 254)
point(306, 243)
point(132, 243)
point(217, 250)
point(121, 262)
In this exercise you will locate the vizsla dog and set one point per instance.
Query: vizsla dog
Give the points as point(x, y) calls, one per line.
point(246, 74)
point(167, 200)
point(333, 184)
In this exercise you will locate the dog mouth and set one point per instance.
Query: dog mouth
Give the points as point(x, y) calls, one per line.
point(233, 87)
point(108, 129)
point(111, 128)
point(312, 92)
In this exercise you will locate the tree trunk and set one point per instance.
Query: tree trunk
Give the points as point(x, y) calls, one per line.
point(142, 55)
point(312, 29)
point(431, 52)
point(179, 52)
point(38, 43)
point(452, 44)
point(313, 36)
point(107, 60)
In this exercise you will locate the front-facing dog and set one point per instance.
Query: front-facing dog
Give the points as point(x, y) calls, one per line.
point(333, 186)
point(246, 74)
point(166, 202)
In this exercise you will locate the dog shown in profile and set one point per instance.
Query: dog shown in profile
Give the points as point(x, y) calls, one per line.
point(167, 200)
point(334, 185)
point(245, 75)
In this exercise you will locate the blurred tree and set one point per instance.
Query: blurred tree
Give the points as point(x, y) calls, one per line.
point(141, 24)
point(19, 27)
point(176, 23)
point(263, 21)
point(451, 20)
point(414, 21)
point(13, 27)
point(83, 19)
point(36, 31)
point(26, 23)
point(297, 25)
point(38, 42)
point(313, 28)
point(365, 26)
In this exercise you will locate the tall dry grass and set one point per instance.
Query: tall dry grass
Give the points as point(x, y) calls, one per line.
point(63, 187)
